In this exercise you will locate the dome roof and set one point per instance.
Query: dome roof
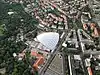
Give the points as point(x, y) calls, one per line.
point(49, 39)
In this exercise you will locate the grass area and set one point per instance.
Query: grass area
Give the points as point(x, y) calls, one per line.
point(1, 30)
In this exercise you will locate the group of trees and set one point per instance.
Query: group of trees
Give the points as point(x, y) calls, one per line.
point(10, 26)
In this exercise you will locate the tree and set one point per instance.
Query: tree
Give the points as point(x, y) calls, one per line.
point(13, 24)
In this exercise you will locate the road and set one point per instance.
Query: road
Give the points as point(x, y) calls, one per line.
point(48, 62)
point(77, 39)
point(56, 67)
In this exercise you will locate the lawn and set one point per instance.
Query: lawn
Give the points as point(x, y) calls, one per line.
point(1, 30)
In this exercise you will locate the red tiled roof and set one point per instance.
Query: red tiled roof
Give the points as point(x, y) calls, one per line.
point(39, 61)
